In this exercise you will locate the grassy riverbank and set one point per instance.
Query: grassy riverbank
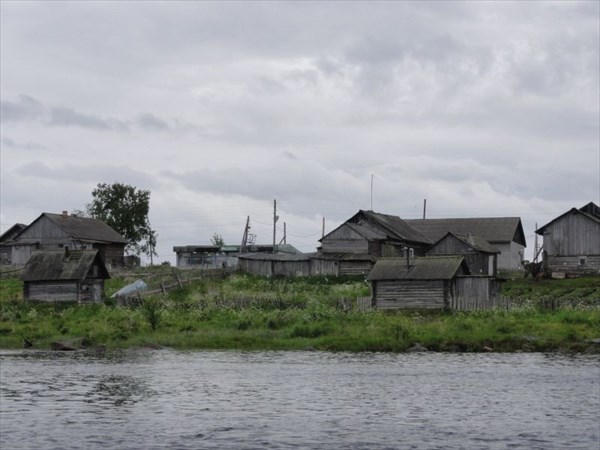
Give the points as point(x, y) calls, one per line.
point(244, 312)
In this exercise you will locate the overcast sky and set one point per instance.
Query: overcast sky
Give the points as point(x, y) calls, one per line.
point(483, 108)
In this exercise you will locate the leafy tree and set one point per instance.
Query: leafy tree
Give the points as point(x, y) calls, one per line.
point(217, 240)
point(125, 208)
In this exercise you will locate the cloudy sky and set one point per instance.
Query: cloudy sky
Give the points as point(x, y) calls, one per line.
point(482, 108)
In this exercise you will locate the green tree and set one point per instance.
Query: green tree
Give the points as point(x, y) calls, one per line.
point(125, 208)
point(217, 240)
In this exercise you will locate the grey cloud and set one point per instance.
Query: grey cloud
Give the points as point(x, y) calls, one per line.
point(62, 116)
point(81, 173)
point(9, 143)
point(150, 121)
point(310, 186)
point(26, 108)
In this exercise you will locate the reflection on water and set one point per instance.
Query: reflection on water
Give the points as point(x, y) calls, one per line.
point(188, 400)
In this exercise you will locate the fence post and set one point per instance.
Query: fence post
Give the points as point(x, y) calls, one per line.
point(163, 287)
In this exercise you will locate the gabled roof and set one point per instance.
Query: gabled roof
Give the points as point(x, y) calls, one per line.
point(590, 211)
point(377, 226)
point(12, 232)
point(491, 229)
point(62, 265)
point(421, 268)
point(475, 242)
point(83, 228)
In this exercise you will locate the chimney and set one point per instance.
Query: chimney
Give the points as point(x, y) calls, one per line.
point(65, 213)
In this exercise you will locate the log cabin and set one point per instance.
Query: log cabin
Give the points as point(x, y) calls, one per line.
point(65, 276)
point(432, 282)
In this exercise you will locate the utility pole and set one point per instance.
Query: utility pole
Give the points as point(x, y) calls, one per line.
point(245, 236)
point(284, 238)
point(372, 191)
point(275, 219)
point(535, 246)
point(323, 229)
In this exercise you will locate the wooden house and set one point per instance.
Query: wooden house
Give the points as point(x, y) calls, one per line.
point(5, 239)
point(433, 282)
point(367, 236)
point(572, 242)
point(60, 231)
point(481, 256)
point(65, 275)
point(504, 233)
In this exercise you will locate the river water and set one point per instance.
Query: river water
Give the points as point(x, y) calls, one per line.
point(154, 399)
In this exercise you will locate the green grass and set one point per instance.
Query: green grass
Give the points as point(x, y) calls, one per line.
point(245, 312)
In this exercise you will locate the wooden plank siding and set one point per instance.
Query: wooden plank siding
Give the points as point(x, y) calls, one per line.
point(409, 294)
point(324, 267)
point(571, 264)
point(345, 239)
point(572, 235)
point(348, 268)
point(475, 293)
point(52, 291)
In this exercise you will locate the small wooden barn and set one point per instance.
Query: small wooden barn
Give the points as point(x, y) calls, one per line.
point(504, 233)
point(481, 256)
point(59, 231)
point(572, 242)
point(275, 264)
point(67, 275)
point(7, 237)
point(433, 282)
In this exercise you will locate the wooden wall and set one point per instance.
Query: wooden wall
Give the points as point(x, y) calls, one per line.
point(572, 235)
point(324, 267)
point(355, 267)
point(345, 240)
point(461, 293)
point(570, 265)
point(64, 291)
point(417, 294)
point(474, 293)
point(51, 291)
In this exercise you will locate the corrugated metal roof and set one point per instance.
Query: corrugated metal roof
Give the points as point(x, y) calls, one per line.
point(60, 265)
point(492, 229)
point(84, 228)
point(421, 268)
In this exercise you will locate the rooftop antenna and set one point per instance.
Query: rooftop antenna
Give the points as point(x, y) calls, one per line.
point(372, 176)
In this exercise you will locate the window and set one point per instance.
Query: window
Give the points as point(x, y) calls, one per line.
point(582, 260)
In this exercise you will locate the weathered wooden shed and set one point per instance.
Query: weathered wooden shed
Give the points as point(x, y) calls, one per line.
point(572, 242)
point(67, 275)
point(275, 264)
point(504, 233)
point(481, 256)
point(433, 282)
point(7, 237)
point(59, 231)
